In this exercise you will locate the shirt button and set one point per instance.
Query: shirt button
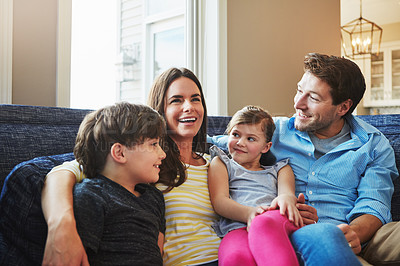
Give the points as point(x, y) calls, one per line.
point(310, 192)
point(312, 203)
point(309, 154)
point(313, 173)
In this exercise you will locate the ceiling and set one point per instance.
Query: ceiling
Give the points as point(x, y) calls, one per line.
point(379, 11)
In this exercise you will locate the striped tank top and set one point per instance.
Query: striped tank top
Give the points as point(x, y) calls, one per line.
point(189, 237)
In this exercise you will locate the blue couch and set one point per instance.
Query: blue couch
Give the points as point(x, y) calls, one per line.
point(34, 139)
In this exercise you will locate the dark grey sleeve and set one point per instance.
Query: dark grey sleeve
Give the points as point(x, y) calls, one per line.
point(89, 210)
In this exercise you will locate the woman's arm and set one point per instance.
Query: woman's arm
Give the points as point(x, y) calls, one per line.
point(286, 199)
point(218, 185)
point(63, 245)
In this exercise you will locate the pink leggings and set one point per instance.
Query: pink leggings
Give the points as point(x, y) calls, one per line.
point(267, 242)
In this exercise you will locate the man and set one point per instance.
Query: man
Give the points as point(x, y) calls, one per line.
point(344, 167)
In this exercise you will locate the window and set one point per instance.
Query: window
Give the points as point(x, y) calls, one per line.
point(151, 36)
point(6, 24)
point(152, 39)
point(93, 53)
point(382, 77)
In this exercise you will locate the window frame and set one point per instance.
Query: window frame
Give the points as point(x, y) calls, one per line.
point(6, 44)
point(151, 26)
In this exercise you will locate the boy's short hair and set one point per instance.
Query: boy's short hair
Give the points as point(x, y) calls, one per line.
point(253, 115)
point(124, 123)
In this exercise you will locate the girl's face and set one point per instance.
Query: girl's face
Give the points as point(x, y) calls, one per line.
point(183, 109)
point(246, 144)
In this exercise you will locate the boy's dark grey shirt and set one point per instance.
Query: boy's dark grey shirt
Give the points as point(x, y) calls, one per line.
point(116, 227)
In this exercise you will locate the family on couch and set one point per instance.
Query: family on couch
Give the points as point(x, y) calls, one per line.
point(343, 167)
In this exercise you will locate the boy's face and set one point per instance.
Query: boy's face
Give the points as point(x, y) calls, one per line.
point(144, 160)
point(246, 143)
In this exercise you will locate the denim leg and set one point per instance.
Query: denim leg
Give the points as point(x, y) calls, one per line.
point(322, 244)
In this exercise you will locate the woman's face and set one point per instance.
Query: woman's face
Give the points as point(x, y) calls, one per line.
point(183, 109)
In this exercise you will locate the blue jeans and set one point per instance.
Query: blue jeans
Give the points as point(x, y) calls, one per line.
point(322, 244)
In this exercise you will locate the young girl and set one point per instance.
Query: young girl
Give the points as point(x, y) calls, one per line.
point(241, 190)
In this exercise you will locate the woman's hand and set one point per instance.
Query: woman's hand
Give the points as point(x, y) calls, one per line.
point(308, 213)
point(63, 244)
point(287, 205)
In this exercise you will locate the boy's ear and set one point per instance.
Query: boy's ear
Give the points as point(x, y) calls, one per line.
point(117, 152)
point(267, 147)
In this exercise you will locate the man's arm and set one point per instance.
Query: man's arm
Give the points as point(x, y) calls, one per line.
point(221, 141)
point(63, 245)
point(360, 230)
point(365, 226)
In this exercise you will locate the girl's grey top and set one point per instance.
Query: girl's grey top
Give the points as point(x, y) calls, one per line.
point(250, 188)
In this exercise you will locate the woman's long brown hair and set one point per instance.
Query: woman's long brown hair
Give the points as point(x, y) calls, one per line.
point(173, 170)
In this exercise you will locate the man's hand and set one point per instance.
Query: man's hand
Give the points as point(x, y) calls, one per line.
point(351, 237)
point(308, 213)
point(64, 246)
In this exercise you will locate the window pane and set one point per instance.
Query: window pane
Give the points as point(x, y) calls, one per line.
point(93, 53)
point(169, 50)
point(377, 87)
point(160, 6)
point(396, 74)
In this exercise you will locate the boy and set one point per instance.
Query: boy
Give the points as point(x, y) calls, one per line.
point(119, 215)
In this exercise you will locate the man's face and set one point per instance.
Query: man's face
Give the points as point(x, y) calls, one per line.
point(314, 109)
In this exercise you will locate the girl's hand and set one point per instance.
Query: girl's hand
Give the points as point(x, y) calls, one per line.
point(254, 211)
point(287, 205)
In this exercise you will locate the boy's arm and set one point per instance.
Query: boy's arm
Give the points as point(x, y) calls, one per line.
point(218, 185)
point(286, 199)
point(63, 245)
point(161, 242)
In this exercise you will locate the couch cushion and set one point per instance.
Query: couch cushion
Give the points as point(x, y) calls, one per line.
point(23, 230)
point(28, 132)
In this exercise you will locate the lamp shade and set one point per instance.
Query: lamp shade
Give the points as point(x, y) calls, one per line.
point(361, 37)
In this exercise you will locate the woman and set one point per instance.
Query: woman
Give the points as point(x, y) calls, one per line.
point(189, 239)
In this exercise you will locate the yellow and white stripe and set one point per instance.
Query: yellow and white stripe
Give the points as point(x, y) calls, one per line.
point(189, 237)
point(72, 166)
